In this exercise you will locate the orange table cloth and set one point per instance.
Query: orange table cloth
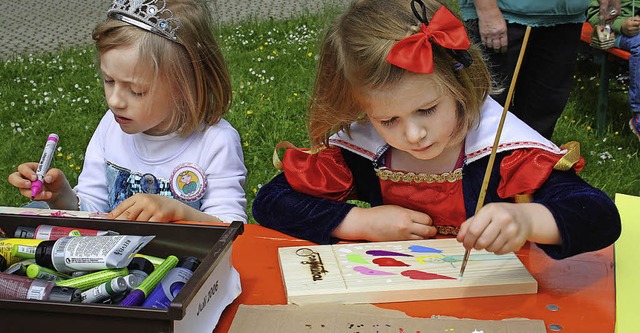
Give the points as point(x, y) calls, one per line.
point(577, 293)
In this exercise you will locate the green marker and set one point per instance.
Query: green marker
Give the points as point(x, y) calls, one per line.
point(35, 271)
point(23, 251)
point(156, 261)
point(137, 296)
point(88, 281)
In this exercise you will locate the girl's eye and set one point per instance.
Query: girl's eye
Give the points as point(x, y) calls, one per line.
point(138, 94)
point(108, 81)
point(387, 123)
point(427, 111)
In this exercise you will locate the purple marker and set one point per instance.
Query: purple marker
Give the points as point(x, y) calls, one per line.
point(45, 163)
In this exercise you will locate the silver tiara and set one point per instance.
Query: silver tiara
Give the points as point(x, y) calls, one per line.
point(146, 15)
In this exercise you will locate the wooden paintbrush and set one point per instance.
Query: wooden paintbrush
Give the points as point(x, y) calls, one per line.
point(496, 141)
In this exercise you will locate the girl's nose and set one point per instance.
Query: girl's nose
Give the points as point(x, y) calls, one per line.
point(415, 133)
point(114, 98)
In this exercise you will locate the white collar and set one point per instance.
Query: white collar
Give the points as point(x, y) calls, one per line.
point(365, 141)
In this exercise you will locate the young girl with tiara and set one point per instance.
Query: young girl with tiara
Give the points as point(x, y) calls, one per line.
point(162, 152)
point(400, 118)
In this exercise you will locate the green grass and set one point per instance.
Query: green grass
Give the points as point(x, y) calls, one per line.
point(273, 65)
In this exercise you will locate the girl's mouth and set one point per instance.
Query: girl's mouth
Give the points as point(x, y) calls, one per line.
point(122, 120)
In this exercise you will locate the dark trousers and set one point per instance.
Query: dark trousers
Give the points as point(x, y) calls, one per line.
point(545, 79)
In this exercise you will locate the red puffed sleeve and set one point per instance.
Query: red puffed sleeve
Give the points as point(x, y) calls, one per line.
point(525, 170)
point(324, 174)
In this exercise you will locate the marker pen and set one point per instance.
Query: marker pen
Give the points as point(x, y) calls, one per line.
point(91, 280)
point(45, 163)
point(23, 251)
point(6, 247)
point(172, 283)
point(104, 291)
point(136, 296)
point(50, 232)
point(156, 261)
point(38, 272)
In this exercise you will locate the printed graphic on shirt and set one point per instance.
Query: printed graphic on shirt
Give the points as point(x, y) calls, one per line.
point(188, 182)
point(123, 183)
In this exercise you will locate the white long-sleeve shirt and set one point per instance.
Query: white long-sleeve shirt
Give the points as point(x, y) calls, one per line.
point(118, 165)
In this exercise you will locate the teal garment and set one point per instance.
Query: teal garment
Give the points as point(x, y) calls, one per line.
point(535, 13)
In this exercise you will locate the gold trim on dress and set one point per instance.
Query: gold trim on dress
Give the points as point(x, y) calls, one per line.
point(447, 230)
point(407, 177)
point(570, 158)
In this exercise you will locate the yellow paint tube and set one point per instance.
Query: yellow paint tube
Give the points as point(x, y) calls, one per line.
point(7, 244)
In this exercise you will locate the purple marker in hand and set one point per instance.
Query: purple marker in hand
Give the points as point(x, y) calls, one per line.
point(45, 163)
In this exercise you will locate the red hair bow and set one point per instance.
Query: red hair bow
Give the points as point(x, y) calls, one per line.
point(415, 53)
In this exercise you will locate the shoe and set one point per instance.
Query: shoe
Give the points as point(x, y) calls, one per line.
point(634, 123)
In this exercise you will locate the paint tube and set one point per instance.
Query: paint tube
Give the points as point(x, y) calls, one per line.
point(36, 271)
point(6, 247)
point(22, 287)
point(171, 284)
point(23, 251)
point(91, 280)
point(136, 296)
point(19, 268)
point(89, 253)
point(104, 291)
point(51, 232)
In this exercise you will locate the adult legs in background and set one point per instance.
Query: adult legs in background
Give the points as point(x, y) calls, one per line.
point(632, 44)
point(546, 74)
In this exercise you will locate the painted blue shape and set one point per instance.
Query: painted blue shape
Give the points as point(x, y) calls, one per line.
point(423, 249)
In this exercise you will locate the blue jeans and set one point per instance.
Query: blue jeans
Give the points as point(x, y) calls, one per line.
point(632, 44)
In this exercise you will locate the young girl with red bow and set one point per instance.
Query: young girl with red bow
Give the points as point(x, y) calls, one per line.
point(400, 118)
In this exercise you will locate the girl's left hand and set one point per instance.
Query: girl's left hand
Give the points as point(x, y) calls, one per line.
point(498, 227)
point(148, 207)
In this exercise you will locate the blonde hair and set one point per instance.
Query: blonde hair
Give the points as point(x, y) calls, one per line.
point(193, 68)
point(353, 60)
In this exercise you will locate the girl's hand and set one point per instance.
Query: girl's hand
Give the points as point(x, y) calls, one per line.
point(497, 227)
point(504, 227)
point(385, 223)
point(148, 207)
point(55, 183)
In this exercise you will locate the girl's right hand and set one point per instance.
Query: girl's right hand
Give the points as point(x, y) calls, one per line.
point(54, 181)
point(385, 223)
